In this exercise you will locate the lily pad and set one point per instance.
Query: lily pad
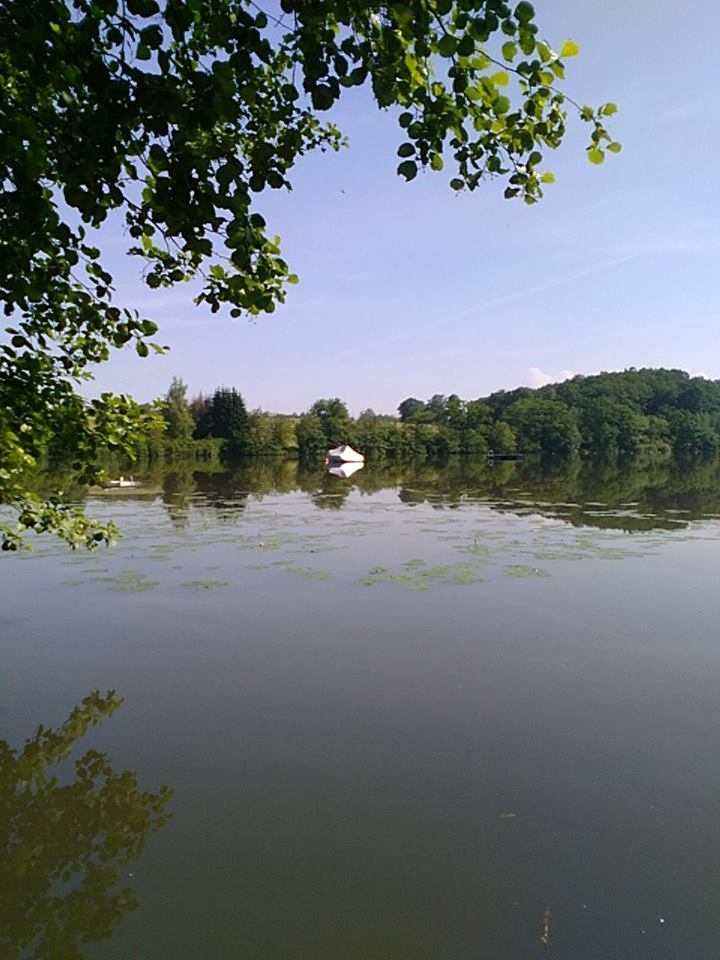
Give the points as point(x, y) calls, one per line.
point(520, 570)
point(206, 584)
point(307, 572)
point(417, 578)
point(131, 582)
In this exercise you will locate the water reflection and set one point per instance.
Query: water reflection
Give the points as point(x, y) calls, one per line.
point(345, 470)
point(178, 485)
point(64, 838)
point(620, 496)
point(629, 496)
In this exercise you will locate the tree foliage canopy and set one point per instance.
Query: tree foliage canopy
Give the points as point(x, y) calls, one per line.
point(175, 115)
point(179, 423)
point(225, 418)
point(608, 414)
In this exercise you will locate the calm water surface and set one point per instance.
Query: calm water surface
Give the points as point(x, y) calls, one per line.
point(420, 716)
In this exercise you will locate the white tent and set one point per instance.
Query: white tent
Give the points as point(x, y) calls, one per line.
point(345, 454)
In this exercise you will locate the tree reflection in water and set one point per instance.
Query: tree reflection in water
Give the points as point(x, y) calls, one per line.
point(64, 838)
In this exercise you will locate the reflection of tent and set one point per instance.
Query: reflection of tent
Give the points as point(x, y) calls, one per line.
point(345, 454)
point(345, 470)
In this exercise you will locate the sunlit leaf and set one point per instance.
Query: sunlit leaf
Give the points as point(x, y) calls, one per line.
point(569, 49)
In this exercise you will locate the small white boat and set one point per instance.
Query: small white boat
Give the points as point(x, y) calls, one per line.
point(122, 482)
point(344, 454)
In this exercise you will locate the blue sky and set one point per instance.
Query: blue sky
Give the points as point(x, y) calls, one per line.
point(411, 290)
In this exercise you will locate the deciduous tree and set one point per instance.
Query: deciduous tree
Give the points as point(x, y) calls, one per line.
point(334, 420)
point(179, 422)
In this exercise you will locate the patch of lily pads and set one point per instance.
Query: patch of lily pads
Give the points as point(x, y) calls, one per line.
point(417, 577)
point(307, 572)
point(131, 581)
point(205, 584)
point(521, 570)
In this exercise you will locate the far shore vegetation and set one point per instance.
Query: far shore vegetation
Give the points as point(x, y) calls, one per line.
point(652, 412)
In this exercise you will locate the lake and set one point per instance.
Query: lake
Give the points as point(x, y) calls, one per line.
point(420, 714)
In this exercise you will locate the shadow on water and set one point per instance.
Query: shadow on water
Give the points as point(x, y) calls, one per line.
point(65, 837)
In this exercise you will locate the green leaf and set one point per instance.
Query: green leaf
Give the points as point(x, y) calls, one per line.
point(501, 104)
point(406, 150)
point(447, 45)
point(466, 46)
point(408, 169)
point(608, 109)
point(614, 147)
point(524, 12)
point(151, 36)
point(143, 8)
point(545, 52)
point(547, 177)
point(509, 51)
point(595, 155)
point(436, 162)
point(500, 79)
point(358, 75)
point(157, 158)
point(322, 97)
point(569, 49)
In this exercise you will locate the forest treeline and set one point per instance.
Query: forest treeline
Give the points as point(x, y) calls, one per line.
point(609, 414)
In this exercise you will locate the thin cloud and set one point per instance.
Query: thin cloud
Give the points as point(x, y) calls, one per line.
point(539, 378)
point(547, 285)
point(412, 332)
